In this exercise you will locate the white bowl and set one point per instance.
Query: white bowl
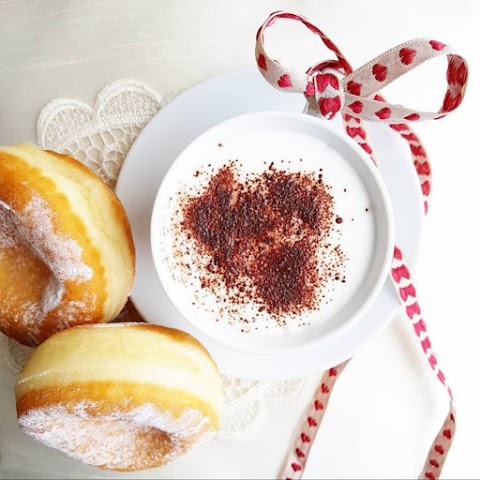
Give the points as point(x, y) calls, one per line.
point(361, 199)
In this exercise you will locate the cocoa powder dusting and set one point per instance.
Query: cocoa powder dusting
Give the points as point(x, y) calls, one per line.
point(261, 236)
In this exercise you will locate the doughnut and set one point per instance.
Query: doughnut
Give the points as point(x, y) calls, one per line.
point(66, 248)
point(127, 396)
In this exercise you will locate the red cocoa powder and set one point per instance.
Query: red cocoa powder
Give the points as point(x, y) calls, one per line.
point(261, 237)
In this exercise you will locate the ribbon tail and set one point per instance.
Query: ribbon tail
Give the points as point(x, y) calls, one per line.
point(401, 277)
point(309, 425)
point(441, 445)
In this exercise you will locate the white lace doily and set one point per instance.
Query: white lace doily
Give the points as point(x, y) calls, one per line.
point(100, 137)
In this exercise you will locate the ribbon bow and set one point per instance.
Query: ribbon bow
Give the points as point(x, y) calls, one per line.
point(333, 86)
point(330, 87)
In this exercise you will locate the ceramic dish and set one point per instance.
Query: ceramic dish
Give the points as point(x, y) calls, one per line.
point(363, 237)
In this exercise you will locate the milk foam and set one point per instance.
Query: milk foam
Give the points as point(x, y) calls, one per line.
point(292, 152)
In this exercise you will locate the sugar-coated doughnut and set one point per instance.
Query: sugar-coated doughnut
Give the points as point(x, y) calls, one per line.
point(120, 396)
point(66, 248)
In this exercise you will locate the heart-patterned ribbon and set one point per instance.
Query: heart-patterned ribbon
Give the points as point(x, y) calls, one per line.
point(354, 93)
point(332, 87)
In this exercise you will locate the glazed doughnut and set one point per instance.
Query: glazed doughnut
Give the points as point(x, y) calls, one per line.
point(66, 248)
point(123, 397)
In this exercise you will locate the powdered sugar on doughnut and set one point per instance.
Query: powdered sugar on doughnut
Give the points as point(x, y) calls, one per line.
point(34, 227)
point(121, 440)
point(62, 255)
point(7, 233)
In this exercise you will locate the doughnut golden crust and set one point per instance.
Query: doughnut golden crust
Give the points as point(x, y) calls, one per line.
point(66, 248)
point(120, 396)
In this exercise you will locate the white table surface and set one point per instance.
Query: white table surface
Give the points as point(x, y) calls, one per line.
point(376, 427)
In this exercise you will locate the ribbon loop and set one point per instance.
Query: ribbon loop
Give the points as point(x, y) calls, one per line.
point(355, 94)
point(288, 80)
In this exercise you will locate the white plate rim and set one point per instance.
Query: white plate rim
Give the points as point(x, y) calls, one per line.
point(252, 94)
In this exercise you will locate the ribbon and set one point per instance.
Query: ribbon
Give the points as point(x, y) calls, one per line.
point(332, 87)
point(354, 93)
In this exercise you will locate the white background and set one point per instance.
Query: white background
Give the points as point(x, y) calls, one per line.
point(386, 408)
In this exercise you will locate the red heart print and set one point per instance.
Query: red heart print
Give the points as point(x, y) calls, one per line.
point(408, 290)
point(312, 422)
point(356, 106)
point(399, 273)
point(412, 117)
point(324, 80)
point(429, 475)
point(299, 453)
point(410, 137)
point(305, 438)
point(325, 389)
point(353, 132)
point(407, 55)
point(379, 72)
point(434, 463)
point(318, 405)
point(419, 327)
point(426, 344)
point(354, 88)
point(333, 372)
point(437, 45)
point(310, 90)
point(383, 113)
point(284, 81)
point(452, 418)
point(447, 433)
point(426, 188)
point(418, 151)
point(439, 449)
point(329, 106)
point(366, 147)
point(413, 309)
point(296, 467)
point(262, 62)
